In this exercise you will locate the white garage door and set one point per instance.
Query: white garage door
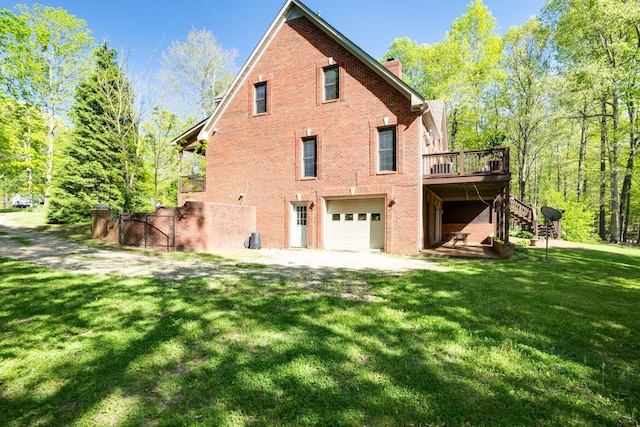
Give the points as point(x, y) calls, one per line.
point(355, 224)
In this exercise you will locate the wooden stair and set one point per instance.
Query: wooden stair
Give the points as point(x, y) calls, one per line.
point(549, 229)
point(524, 215)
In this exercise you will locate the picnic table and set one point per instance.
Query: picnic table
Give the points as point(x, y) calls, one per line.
point(459, 236)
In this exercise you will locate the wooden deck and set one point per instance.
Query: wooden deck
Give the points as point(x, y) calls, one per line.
point(466, 164)
point(459, 251)
point(466, 174)
point(192, 184)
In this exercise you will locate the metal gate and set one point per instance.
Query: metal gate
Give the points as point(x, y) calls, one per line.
point(147, 230)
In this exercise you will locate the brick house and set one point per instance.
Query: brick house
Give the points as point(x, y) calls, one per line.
point(335, 151)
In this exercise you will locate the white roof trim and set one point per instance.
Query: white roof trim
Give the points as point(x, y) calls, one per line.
point(435, 119)
point(294, 9)
point(189, 132)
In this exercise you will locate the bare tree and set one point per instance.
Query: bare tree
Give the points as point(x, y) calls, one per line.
point(195, 72)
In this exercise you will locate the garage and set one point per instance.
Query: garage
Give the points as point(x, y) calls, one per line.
point(356, 224)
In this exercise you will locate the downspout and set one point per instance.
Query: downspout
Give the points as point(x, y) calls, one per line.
point(424, 108)
point(421, 230)
point(425, 223)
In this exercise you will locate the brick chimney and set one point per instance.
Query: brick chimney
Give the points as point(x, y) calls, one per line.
point(395, 66)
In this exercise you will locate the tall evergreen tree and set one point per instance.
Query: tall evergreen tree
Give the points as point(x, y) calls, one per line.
point(99, 154)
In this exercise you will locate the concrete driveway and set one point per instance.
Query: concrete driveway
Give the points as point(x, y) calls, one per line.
point(47, 251)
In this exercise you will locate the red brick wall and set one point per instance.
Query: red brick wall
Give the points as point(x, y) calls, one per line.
point(259, 156)
point(103, 227)
point(149, 230)
point(473, 217)
point(480, 233)
point(202, 227)
point(199, 227)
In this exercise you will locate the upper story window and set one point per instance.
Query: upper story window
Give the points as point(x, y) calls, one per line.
point(260, 98)
point(309, 158)
point(387, 150)
point(331, 83)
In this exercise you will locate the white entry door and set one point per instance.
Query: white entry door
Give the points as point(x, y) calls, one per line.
point(299, 225)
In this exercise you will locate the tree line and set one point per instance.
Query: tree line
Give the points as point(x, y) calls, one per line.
point(561, 91)
point(77, 128)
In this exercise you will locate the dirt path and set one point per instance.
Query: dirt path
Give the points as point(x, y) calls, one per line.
point(47, 251)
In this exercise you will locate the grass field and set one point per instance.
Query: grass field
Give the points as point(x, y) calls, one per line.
point(525, 342)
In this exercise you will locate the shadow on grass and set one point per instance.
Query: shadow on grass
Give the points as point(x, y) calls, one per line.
point(497, 343)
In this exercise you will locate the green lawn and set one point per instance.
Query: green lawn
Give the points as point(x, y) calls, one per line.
point(524, 342)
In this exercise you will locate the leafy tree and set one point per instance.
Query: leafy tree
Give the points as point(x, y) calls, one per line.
point(18, 78)
point(197, 71)
point(43, 53)
point(162, 156)
point(459, 69)
point(420, 67)
point(552, 112)
point(17, 66)
point(526, 63)
point(30, 150)
point(58, 45)
point(22, 151)
point(600, 41)
point(6, 153)
point(100, 162)
point(577, 220)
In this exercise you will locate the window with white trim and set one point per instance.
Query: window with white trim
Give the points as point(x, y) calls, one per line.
point(260, 104)
point(309, 158)
point(387, 149)
point(331, 83)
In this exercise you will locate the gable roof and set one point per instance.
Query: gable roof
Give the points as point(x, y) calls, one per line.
point(437, 119)
point(185, 137)
point(294, 9)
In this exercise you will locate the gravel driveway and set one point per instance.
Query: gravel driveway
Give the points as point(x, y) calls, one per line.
point(54, 253)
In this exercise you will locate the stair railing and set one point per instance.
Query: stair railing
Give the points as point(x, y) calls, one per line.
point(524, 214)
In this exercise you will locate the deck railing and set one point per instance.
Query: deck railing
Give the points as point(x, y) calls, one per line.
point(466, 163)
point(522, 210)
point(524, 215)
point(192, 183)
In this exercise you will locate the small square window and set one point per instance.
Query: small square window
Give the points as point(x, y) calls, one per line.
point(348, 217)
point(331, 83)
point(375, 217)
point(335, 217)
point(362, 217)
point(260, 90)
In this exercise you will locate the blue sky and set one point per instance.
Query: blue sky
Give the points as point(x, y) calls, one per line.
point(145, 28)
